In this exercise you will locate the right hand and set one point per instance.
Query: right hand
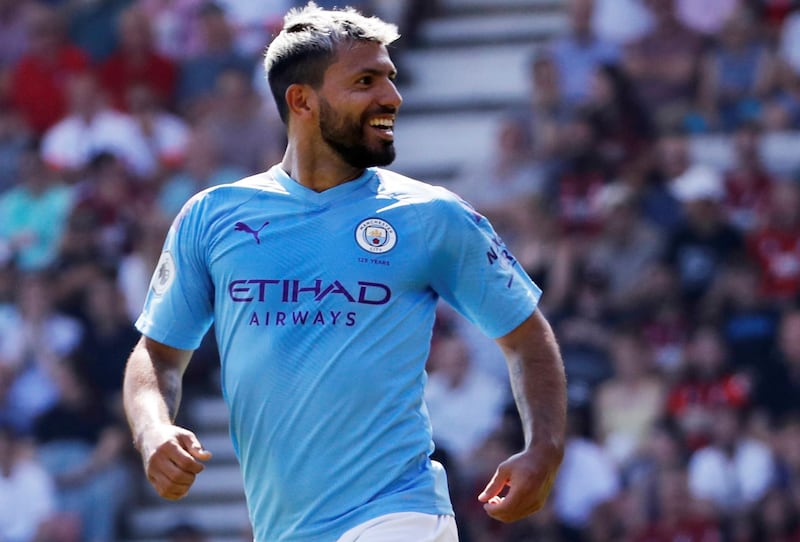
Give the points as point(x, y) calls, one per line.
point(172, 459)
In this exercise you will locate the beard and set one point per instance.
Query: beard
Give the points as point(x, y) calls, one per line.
point(346, 138)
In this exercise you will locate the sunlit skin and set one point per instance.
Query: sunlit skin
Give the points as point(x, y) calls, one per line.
point(358, 89)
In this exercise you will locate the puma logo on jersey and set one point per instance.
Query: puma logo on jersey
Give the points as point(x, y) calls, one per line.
point(241, 226)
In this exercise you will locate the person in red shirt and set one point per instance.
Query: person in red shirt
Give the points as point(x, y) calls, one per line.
point(705, 383)
point(39, 79)
point(136, 62)
point(747, 184)
point(776, 246)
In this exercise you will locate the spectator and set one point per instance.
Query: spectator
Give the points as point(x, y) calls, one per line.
point(777, 385)
point(665, 325)
point(108, 340)
point(176, 30)
point(670, 160)
point(34, 214)
point(663, 64)
point(465, 405)
point(780, 111)
point(627, 405)
point(136, 266)
point(547, 256)
point(548, 108)
point(37, 337)
point(202, 168)
point(786, 447)
point(198, 73)
point(678, 516)
point(82, 446)
point(91, 127)
point(38, 82)
point(747, 182)
point(166, 134)
point(111, 201)
point(705, 242)
point(588, 477)
point(626, 249)
point(578, 53)
point(584, 330)
point(27, 492)
point(135, 63)
point(662, 450)
point(583, 172)
point(243, 136)
point(80, 262)
point(748, 320)
point(502, 188)
point(623, 126)
point(735, 470)
point(738, 72)
point(774, 246)
point(776, 518)
point(706, 382)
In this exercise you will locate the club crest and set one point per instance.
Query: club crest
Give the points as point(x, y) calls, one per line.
point(376, 236)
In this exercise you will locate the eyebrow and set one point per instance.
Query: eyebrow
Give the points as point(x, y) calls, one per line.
point(377, 72)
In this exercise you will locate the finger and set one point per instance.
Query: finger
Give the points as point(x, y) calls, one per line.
point(191, 444)
point(172, 472)
point(495, 486)
point(519, 502)
point(167, 488)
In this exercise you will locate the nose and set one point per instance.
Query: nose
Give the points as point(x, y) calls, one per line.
point(391, 97)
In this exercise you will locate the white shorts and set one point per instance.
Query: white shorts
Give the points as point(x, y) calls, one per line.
point(404, 527)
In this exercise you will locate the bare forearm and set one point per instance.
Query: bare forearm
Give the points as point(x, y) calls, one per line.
point(538, 383)
point(151, 391)
point(539, 386)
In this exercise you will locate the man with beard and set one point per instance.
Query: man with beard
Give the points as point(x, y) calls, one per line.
point(321, 276)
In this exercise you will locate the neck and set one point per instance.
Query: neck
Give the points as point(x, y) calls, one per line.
point(318, 169)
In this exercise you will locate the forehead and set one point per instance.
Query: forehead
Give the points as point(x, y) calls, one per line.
point(355, 57)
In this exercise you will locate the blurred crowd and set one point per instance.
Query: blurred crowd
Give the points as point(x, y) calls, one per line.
point(673, 282)
point(672, 278)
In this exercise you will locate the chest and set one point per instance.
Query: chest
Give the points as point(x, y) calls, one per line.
point(355, 252)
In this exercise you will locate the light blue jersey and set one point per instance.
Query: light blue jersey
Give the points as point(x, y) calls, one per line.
point(323, 305)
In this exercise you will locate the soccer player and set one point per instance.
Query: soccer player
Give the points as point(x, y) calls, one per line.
point(321, 276)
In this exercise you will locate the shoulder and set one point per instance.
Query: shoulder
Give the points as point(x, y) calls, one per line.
point(405, 190)
point(224, 197)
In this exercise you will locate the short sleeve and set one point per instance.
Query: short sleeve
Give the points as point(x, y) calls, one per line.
point(178, 310)
point(474, 271)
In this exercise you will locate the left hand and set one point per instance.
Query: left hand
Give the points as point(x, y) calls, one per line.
point(529, 476)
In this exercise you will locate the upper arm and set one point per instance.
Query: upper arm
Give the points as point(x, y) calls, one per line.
point(473, 270)
point(164, 355)
point(534, 332)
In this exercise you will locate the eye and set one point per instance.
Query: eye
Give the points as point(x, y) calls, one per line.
point(365, 80)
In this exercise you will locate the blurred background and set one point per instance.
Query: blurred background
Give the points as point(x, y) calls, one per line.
point(640, 157)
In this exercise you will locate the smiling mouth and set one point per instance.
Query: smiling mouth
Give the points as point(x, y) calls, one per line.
point(384, 125)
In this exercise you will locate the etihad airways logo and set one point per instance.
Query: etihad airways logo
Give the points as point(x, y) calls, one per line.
point(258, 290)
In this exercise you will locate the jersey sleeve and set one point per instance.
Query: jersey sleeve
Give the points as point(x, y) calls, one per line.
point(178, 310)
point(474, 271)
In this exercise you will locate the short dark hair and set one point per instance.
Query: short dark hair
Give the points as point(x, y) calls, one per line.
point(309, 42)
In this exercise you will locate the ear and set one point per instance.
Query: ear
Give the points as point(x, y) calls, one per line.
point(301, 100)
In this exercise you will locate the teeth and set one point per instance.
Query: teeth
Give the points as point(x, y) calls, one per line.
point(382, 123)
